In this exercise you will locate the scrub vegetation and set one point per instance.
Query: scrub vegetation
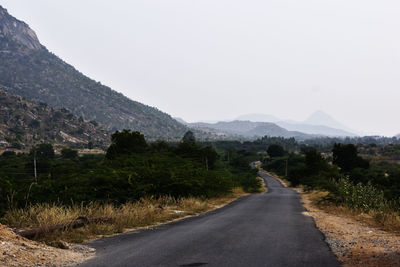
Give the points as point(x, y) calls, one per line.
point(134, 184)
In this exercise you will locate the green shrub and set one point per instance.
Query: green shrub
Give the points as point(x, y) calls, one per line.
point(362, 197)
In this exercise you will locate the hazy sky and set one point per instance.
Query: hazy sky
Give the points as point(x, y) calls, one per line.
point(217, 59)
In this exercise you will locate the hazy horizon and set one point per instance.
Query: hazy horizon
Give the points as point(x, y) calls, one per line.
point(216, 60)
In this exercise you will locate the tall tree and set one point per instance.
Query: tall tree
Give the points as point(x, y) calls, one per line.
point(346, 157)
point(43, 151)
point(189, 137)
point(275, 150)
point(126, 142)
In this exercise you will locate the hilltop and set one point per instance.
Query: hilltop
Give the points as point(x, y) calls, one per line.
point(24, 124)
point(28, 69)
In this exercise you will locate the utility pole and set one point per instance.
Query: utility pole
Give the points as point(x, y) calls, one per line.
point(286, 169)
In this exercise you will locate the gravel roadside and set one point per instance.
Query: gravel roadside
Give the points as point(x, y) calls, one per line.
point(352, 241)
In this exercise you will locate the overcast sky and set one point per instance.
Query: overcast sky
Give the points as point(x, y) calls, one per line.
point(217, 59)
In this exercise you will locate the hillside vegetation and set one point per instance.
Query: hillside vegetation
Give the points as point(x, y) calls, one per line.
point(28, 69)
point(24, 124)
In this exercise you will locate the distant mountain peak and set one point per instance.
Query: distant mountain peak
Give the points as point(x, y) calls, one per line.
point(320, 117)
point(18, 31)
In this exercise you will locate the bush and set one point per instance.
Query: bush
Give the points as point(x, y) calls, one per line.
point(346, 157)
point(362, 197)
point(43, 151)
point(125, 143)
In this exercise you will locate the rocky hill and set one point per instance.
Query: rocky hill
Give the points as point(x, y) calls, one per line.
point(247, 129)
point(28, 69)
point(24, 124)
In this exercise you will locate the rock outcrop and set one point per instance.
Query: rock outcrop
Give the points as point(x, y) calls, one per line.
point(24, 124)
point(18, 31)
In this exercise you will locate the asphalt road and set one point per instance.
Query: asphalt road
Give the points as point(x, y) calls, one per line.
point(258, 230)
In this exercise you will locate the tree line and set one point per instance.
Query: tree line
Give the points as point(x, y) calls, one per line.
point(346, 175)
point(131, 169)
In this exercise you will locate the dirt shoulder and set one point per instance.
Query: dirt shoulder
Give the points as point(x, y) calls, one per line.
point(18, 251)
point(354, 242)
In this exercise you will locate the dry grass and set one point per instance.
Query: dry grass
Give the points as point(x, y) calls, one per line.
point(387, 221)
point(144, 213)
point(263, 188)
point(87, 151)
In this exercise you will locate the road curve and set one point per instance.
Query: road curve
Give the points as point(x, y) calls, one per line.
point(258, 230)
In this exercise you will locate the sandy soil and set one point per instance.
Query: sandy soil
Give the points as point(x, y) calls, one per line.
point(353, 242)
point(18, 251)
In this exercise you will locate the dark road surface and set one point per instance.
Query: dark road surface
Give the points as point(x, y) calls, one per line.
point(258, 230)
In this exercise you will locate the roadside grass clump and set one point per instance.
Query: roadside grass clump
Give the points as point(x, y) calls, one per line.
point(369, 200)
point(362, 197)
point(132, 215)
point(363, 202)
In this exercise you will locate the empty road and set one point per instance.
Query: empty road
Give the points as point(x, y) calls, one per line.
point(258, 230)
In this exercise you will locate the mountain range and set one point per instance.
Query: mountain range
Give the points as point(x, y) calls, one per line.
point(257, 125)
point(24, 124)
point(318, 123)
point(247, 129)
point(29, 70)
